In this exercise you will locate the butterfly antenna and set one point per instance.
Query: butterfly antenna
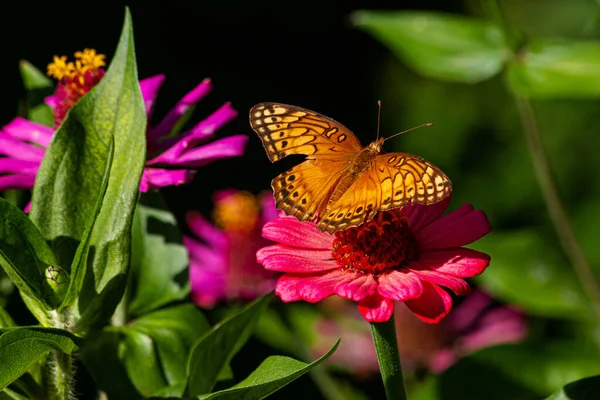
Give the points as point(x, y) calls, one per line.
point(378, 118)
point(408, 130)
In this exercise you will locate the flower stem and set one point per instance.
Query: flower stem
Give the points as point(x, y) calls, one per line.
point(386, 345)
point(555, 207)
point(60, 376)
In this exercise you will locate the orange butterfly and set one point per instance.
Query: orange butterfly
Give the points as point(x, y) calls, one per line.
point(340, 182)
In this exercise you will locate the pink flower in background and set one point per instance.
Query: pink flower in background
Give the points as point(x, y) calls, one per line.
point(172, 156)
point(404, 255)
point(476, 323)
point(223, 258)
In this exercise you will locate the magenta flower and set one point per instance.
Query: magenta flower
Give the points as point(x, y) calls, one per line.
point(172, 159)
point(476, 323)
point(223, 263)
point(406, 255)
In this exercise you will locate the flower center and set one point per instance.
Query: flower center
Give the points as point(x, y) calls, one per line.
point(75, 79)
point(236, 212)
point(378, 246)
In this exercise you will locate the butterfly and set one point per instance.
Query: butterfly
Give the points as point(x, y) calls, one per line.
point(341, 183)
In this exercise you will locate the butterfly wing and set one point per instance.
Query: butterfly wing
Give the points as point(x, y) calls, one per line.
point(304, 190)
point(390, 181)
point(286, 130)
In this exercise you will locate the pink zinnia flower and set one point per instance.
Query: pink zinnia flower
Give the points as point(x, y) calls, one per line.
point(476, 323)
point(223, 263)
point(406, 255)
point(172, 159)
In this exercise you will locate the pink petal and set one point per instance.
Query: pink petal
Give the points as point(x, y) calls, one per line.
point(285, 288)
point(376, 308)
point(23, 129)
point(419, 216)
point(183, 156)
point(289, 259)
point(21, 150)
point(205, 129)
point(269, 212)
point(400, 285)
point(355, 286)
point(155, 178)
point(289, 231)
point(467, 312)
point(180, 108)
point(317, 287)
point(497, 326)
point(455, 229)
point(457, 285)
point(50, 101)
point(20, 182)
point(14, 166)
point(459, 262)
point(204, 230)
point(433, 305)
point(150, 87)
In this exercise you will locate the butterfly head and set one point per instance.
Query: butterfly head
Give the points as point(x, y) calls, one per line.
point(375, 147)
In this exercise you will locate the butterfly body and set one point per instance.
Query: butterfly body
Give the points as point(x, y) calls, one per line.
point(341, 183)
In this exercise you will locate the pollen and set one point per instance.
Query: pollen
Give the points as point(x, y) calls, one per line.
point(381, 245)
point(237, 212)
point(75, 79)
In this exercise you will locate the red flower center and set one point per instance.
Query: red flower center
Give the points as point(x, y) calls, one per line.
point(75, 79)
point(383, 244)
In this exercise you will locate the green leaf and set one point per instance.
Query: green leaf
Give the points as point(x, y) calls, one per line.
point(5, 319)
point(100, 145)
point(100, 355)
point(526, 270)
point(271, 375)
point(583, 389)
point(27, 260)
point(557, 69)
point(8, 394)
point(156, 345)
point(159, 263)
point(21, 347)
point(441, 46)
point(215, 349)
point(38, 86)
point(518, 370)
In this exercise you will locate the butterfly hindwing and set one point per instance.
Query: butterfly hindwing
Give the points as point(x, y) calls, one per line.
point(286, 130)
point(392, 180)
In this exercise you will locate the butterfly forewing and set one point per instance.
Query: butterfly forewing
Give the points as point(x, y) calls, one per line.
point(286, 130)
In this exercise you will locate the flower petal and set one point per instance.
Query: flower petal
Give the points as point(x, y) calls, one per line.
point(455, 229)
point(300, 261)
point(23, 129)
point(19, 182)
point(180, 108)
point(14, 166)
point(150, 87)
point(376, 308)
point(285, 288)
point(433, 305)
point(50, 101)
point(204, 230)
point(317, 287)
point(419, 216)
point(269, 212)
point(459, 262)
point(181, 155)
point(289, 231)
point(355, 286)
point(21, 150)
point(155, 178)
point(457, 285)
point(400, 285)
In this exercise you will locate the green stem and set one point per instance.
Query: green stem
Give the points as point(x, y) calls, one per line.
point(60, 376)
point(555, 207)
point(388, 355)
